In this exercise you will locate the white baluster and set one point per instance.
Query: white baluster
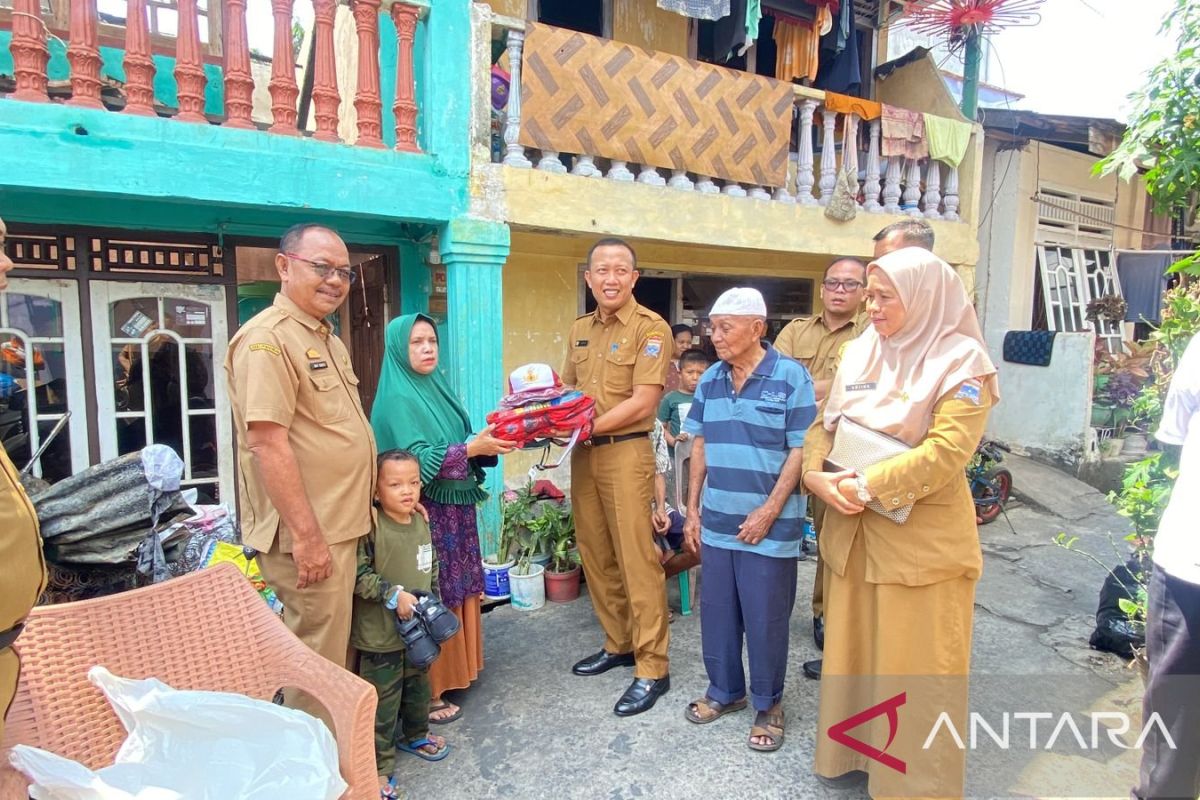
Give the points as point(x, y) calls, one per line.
point(951, 201)
point(759, 193)
point(550, 162)
point(619, 171)
point(705, 185)
point(828, 156)
point(871, 186)
point(514, 153)
point(891, 186)
point(782, 195)
point(804, 159)
point(850, 151)
point(733, 189)
point(680, 180)
point(912, 189)
point(586, 166)
point(933, 189)
point(649, 175)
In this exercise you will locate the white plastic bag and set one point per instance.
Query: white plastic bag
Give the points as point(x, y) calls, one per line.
point(194, 745)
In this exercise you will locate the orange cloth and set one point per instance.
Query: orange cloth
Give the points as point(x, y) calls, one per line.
point(462, 656)
point(845, 104)
point(798, 46)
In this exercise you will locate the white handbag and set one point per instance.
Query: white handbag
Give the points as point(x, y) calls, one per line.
point(856, 447)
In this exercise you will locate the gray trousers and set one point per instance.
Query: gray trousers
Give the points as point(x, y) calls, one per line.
point(1172, 690)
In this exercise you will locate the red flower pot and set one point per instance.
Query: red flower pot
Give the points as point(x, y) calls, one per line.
point(562, 587)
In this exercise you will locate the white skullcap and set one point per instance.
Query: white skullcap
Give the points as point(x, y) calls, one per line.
point(740, 302)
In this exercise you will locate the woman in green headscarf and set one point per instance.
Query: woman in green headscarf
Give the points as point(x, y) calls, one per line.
point(415, 410)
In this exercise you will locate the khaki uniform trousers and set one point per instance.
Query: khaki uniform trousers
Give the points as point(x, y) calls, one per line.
point(319, 615)
point(612, 486)
point(819, 577)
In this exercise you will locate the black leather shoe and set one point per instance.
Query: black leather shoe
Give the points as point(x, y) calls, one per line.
point(819, 632)
point(602, 662)
point(641, 695)
point(812, 669)
point(851, 780)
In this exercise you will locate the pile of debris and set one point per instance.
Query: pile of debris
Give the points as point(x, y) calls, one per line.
point(124, 523)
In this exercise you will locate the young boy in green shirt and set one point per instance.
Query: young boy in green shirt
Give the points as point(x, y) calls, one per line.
point(395, 560)
point(692, 365)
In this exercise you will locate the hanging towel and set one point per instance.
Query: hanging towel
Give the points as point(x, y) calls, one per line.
point(798, 44)
point(753, 18)
point(845, 104)
point(1143, 278)
point(903, 133)
point(1029, 347)
point(697, 9)
point(948, 138)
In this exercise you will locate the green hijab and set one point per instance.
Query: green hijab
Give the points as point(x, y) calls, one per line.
point(420, 414)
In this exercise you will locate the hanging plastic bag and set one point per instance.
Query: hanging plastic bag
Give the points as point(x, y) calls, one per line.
point(194, 746)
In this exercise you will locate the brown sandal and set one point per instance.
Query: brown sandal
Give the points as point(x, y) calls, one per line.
point(692, 712)
point(768, 724)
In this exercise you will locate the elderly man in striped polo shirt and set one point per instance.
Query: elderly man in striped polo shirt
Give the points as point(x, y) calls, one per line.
point(748, 420)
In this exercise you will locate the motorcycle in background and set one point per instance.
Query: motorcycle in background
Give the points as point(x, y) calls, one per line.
point(991, 484)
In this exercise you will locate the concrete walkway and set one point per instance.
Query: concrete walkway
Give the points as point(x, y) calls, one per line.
point(531, 729)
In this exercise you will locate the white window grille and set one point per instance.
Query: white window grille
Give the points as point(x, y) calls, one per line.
point(1072, 278)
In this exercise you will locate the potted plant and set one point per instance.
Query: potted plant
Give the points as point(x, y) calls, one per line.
point(562, 576)
point(516, 505)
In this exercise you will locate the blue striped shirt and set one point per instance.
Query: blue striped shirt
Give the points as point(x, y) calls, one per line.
point(747, 437)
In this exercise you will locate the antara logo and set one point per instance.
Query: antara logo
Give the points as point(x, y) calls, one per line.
point(889, 707)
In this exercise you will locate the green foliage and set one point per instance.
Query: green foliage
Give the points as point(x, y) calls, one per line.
point(531, 526)
point(1164, 129)
point(1145, 491)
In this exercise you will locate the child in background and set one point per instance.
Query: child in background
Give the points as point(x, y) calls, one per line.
point(395, 560)
point(692, 365)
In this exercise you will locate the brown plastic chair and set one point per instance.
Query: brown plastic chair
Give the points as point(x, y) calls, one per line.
point(210, 631)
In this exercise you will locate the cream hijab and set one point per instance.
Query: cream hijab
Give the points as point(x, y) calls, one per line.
point(891, 384)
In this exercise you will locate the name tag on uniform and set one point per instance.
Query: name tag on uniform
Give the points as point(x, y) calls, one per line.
point(425, 558)
point(860, 387)
point(318, 365)
point(581, 343)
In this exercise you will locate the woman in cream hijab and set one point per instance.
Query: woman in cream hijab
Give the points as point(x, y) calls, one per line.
point(900, 597)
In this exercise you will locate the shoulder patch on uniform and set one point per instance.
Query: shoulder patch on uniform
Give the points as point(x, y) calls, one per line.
point(970, 391)
point(266, 348)
point(653, 346)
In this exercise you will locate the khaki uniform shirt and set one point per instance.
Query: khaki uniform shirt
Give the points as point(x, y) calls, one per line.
point(606, 360)
point(940, 540)
point(22, 567)
point(287, 367)
point(813, 344)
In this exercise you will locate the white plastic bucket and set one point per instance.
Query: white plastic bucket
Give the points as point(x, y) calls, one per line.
point(495, 579)
point(529, 590)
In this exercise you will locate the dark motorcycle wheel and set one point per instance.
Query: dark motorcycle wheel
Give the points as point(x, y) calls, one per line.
point(1000, 491)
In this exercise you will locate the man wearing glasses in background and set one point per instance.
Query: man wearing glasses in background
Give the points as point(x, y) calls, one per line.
point(306, 454)
point(816, 343)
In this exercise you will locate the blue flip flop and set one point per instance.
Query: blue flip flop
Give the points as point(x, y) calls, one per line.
point(415, 749)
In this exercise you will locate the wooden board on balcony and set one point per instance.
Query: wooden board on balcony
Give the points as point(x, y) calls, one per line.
point(592, 96)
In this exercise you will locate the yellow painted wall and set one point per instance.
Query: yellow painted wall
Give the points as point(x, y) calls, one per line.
point(510, 8)
point(643, 23)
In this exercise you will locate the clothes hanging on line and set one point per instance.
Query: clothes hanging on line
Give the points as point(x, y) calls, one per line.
point(1143, 277)
point(903, 133)
point(798, 43)
point(697, 9)
point(947, 138)
point(840, 68)
point(729, 34)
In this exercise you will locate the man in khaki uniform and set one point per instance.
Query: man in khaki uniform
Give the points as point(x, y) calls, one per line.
point(22, 569)
point(306, 454)
point(816, 343)
point(619, 355)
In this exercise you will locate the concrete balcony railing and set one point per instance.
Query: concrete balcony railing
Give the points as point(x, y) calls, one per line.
point(919, 188)
point(131, 58)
